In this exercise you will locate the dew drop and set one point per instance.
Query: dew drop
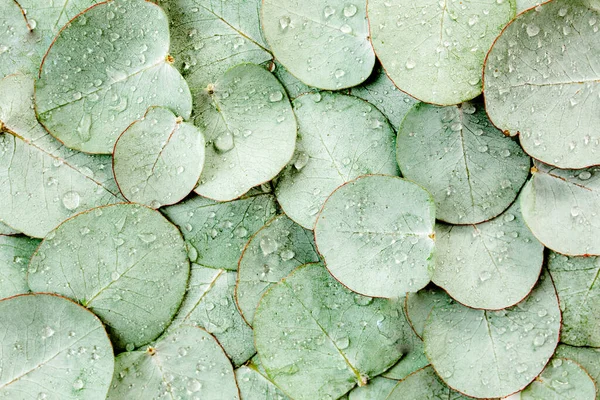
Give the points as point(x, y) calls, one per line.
point(47, 332)
point(224, 142)
point(345, 29)
point(84, 128)
point(194, 386)
point(147, 237)
point(339, 73)
point(343, 343)
point(585, 175)
point(268, 245)
point(350, 10)
point(410, 64)
point(287, 254)
point(284, 22)
point(532, 30)
point(328, 11)
point(275, 96)
point(71, 200)
point(78, 384)
point(301, 161)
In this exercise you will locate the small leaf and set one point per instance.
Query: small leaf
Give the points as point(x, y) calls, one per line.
point(254, 384)
point(424, 384)
point(15, 252)
point(587, 357)
point(420, 304)
point(379, 388)
point(561, 380)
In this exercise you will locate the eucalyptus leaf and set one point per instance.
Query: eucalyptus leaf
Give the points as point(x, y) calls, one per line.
point(472, 170)
point(561, 380)
point(270, 255)
point(42, 183)
point(587, 357)
point(316, 339)
point(218, 232)
point(435, 51)
point(325, 45)
point(124, 262)
point(424, 385)
point(420, 304)
point(255, 385)
point(505, 350)
point(187, 363)
point(374, 256)
point(250, 129)
point(104, 70)
point(378, 389)
point(158, 160)
point(339, 138)
point(541, 79)
point(53, 349)
point(18, 40)
point(15, 252)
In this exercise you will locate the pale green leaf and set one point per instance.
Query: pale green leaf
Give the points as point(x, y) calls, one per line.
point(420, 304)
point(587, 357)
point(377, 389)
point(561, 380)
point(15, 252)
point(255, 385)
point(424, 385)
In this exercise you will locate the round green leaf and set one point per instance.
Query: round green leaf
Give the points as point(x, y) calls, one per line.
point(323, 44)
point(187, 363)
point(270, 255)
point(420, 304)
point(218, 232)
point(494, 353)
point(53, 349)
point(250, 129)
point(424, 384)
point(470, 168)
point(435, 51)
point(316, 339)
point(560, 207)
point(15, 252)
point(158, 160)
point(255, 385)
point(104, 70)
point(492, 265)
point(375, 256)
point(587, 357)
point(42, 183)
point(561, 380)
point(124, 262)
point(541, 79)
point(378, 389)
point(339, 138)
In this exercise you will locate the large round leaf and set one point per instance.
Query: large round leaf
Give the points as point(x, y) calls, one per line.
point(587, 357)
point(378, 389)
point(217, 232)
point(15, 252)
point(158, 160)
point(124, 262)
point(375, 256)
point(419, 305)
point(254, 384)
point(494, 353)
point(424, 384)
point(187, 363)
point(42, 183)
point(324, 44)
point(52, 349)
point(270, 255)
point(561, 380)
point(561, 208)
point(492, 265)
point(470, 168)
point(316, 339)
point(250, 128)
point(102, 72)
point(435, 51)
point(339, 138)
point(541, 81)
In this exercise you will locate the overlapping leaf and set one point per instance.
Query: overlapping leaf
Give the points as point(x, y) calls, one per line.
point(424, 384)
point(587, 357)
point(561, 379)
point(15, 252)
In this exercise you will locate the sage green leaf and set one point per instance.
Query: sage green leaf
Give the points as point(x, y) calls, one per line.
point(292, 85)
point(15, 252)
point(375, 256)
point(250, 129)
point(492, 265)
point(254, 384)
point(378, 389)
point(576, 283)
point(420, 304)
point(561, 380)
point(42, 183)
point(587, 357)
point(209, 304)
point(505, 350)
point(560, 207)
point(530, 92)
point(316, 339)
point(7, 230)
point(104, 70)
point(270, 255)
point(18, 40)
point(124, 262)
point(435, 51)
point(158, 160)
point(472, 170)
point(188, 363)
point(52, 349)
point(339, 138)
point(217, 232)
point(325, 45)
point(424, 385)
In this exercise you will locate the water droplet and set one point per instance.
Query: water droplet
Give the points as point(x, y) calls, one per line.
point(575, 211)
point(275, 96)
point(268, 245)
point(328, 11)
point(115, 276)
point(284, 22)
point(240, 231)
point(350, 10)
point(473, 20)
point(84, 127)
point(505, 153)
point(224, 142)
point(343, 343)
point(410, 64)
point(485, 275)
point(457, 126)
point(468, 108)
point(287, 255)
point(193, 385)
point(301, 161)
point(345, 29)
point(47, 332)
point(32, 24)
point(78, 384)
point(71, 200)
point(585, 175)
point(532, 30)
point(339, 73)
point(129, 347)
point(539, 340)
point(182, 352)
point(147, 237)
point(522, 368)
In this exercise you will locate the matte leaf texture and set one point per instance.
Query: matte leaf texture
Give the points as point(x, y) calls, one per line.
point(316, 339)
point(435, 50)
point(424, 385)
point(52, 349)
point(270, 255)
point(420, 304)
point(250, 129)
point(473, 171)
point(124, 262)
point(587, 357)
point(42, 183)
point(561, 380)
point(505, 350)
point(324, 44)
point(561, 208)
point(102, 72)
point(540, 82)
point(15, 252)
point(493, 265)
point(576, 281)
point(187, 363)
point(374, 256)
point(255, 385)
point(378, 388)
point(158, 160)
point(339, 139)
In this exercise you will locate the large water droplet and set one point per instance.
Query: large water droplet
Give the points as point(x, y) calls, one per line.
point(268, 245)
point(224, 143)
point(350, 10)
point(84, 128)
point(275, 96)
point(71, 200)
point(532, 30)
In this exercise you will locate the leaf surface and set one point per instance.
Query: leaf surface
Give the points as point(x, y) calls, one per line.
point(419, 306)
point(255, 385)
point(15, 252)
point(424, 384)
point(561, 380)
point(587, 357)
